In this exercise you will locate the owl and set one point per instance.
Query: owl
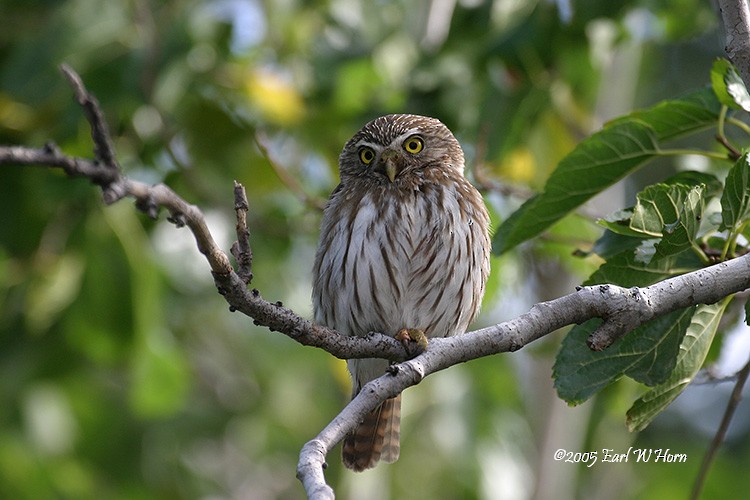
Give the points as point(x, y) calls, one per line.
point(404, 244)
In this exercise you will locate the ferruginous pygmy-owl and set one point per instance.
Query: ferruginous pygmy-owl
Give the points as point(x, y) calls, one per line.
point(404, 244)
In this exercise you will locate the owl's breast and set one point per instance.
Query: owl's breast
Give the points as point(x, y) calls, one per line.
point(390, 262)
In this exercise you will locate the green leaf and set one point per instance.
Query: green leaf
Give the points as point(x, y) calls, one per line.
point(621, 227)
point(693, 351)
point(579, 372)
point(679, 236)
point(676, 117)
point(612, 243)
point(619, 223)
point(594, 164)
point(728, 86)
point(625, 269)
point(658, 360)
point(647, 354)
point(714, 186)
point(603, 159)
point(735, 201)
point(657, 206)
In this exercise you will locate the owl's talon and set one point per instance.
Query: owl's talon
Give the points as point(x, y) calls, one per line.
point(413, 339)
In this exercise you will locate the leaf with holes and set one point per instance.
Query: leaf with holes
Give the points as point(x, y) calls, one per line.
point(657, 206)
point(680, 235)
point(619, 222)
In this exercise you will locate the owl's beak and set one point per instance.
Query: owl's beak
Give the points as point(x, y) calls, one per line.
point(388, 164)
point(390, 170)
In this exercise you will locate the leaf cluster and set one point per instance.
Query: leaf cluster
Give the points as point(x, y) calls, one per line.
point(687, 221)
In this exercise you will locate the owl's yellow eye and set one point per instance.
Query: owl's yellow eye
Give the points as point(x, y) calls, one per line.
point(414, 144)
point(366, 155)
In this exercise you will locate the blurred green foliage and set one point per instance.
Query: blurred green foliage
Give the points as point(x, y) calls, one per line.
point(122, 373)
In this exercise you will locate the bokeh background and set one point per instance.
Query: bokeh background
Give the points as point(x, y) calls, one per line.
point(122, 373)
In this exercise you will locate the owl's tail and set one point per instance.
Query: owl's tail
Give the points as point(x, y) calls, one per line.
point(376, 438)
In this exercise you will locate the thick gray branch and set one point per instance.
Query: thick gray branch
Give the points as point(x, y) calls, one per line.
point(623, 310)
point(735, 15)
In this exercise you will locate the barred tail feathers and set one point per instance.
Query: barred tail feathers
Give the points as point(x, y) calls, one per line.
point(376, 438)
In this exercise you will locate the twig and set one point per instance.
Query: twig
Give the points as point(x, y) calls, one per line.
point(485, 183)
point(734, 401)
point(150, 199)
point(289, 181)
point(706, 377)
point(104, 151)
point(241, 250)
point(732, 152)
point(50, 155)
point(231, 285)
point(278, 318)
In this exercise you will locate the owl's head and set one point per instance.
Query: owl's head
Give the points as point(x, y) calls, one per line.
point(393, 146)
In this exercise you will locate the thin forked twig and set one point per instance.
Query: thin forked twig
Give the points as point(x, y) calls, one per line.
point(104, 151)
point(241, 249)
point(105, 172)
point(289, 181)
point(721, 432)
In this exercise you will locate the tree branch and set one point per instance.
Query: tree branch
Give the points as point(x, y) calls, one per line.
point(736, 17)
point(104, 171)
point(622, 309)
